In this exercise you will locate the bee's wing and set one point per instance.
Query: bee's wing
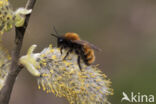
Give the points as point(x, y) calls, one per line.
point(82, 42)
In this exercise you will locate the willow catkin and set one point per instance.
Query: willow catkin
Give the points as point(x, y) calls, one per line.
point(64, 78)
point(4, 65)
point(8, 17)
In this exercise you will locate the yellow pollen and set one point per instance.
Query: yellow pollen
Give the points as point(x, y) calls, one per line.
point(39, 87)
point(53, 57)
point(51, 50)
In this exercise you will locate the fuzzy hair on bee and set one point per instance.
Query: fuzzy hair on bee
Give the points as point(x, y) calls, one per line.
point(72, 43)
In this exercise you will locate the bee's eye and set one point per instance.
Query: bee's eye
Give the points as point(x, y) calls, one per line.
point(60, 40)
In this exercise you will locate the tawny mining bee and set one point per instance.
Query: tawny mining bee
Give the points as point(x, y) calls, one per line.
point(72, 42)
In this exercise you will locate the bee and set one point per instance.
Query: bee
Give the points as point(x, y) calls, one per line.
point(72, 43)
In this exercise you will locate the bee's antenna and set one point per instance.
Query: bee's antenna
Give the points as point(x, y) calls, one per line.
point(54, 35)
point(57, 34)
point(56, 31)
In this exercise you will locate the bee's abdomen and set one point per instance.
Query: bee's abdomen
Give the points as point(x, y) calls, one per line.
point(89, 56)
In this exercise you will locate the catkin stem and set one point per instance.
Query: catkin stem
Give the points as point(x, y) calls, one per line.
point(15, 67)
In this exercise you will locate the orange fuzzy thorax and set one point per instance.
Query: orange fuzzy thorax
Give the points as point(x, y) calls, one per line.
point(72, 36)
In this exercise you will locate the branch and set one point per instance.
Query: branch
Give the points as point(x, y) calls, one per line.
point(15, 68)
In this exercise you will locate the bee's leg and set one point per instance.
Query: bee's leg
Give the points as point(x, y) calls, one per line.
point(61, 50)
point(67, 54)
point(78, 61)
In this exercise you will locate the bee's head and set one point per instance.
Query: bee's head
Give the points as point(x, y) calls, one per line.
point(60, 41)
point(59, 38)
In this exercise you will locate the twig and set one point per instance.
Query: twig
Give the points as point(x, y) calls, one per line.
point(15, 68)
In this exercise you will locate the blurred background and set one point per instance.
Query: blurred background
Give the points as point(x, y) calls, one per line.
point(124, 29)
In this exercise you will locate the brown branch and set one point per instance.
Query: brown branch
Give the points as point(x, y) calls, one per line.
point(15, 68)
